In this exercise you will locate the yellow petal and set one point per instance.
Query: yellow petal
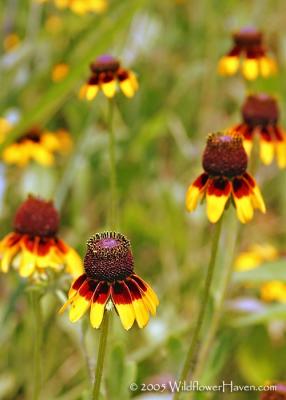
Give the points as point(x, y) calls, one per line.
point(250, 68)
point(141, 313)
point(7, 257)
point(91, 92)
point(192, 198)
point(41, 155)
point(247, 144)
point(266, 151)
point(109, 88)
point(79, 306)
point(244, 208)
point(73, 263)
point(27, 263)
point(267, 66)
point(96, 314)
point(217, 195)
point(127, 88)
point(228, 65)
point(281, 154)
point(257, 199)
point(126, 314)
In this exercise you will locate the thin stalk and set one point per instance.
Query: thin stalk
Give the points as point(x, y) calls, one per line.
point(210, 272)
point(100, 356)
point(35, 300)
point(218, 311)
point(113, 217)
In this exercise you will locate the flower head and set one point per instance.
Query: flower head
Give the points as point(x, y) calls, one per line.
point(106, 75)
point(109, 277)
point(225, 177)
point(278, 393)
point(249, 54)
point(34, 246)
point(37, 145)
point(260, 115)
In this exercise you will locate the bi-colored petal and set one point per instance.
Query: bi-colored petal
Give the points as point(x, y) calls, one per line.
point(218, 192)
point(281, 153)
point(149, 296)
point(98, 302)
point(256, 196)
point(267, 66)
point(194, 192)
point(242, 199)
point(140, 309)
point(121, 298)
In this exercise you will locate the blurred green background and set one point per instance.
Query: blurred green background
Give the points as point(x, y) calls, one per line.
point(173, 46)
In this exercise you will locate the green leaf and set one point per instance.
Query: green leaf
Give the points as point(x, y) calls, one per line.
point(264, 273)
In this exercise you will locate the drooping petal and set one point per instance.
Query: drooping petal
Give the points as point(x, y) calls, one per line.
point(267, 66)
point(250, 68)
point(76, 285)
point(98, 302)
point(242, 199)
point(79, 306)
point(141, 311)
point(109, 88)
point(128, 83)
point(7, 257)
point(194, 192)
point(72, 260)
point(218, 192)
point(121, 298)
point(228, 65)
point(266, 151)
point(280, 146)
point(149, 296)
point(256, 196)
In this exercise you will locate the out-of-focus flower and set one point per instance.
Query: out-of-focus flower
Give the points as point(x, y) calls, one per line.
point(109, 278)
point(253, 258)
point(273, 291)
point(225, 178)
point(59, 72)
point(82, 6)
point(11, 42)
point(248, 54)
point(255, 255)
point(260, 116)
point(277, 392)
point(33, 246)
point(106, 75)
point(53, 24)
point(37, 145)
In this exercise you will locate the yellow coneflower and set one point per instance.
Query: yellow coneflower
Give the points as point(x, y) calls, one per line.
point(260, 116)
point(225, 178)
point(37, 145)
point(11, 41)
point(276, 391)
point(107, 75)
point(34, 246)
point(109, 277)
point(249, 55)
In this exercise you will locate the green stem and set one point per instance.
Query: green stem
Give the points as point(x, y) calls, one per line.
point(190, 354)
point(101, 356)
point(218, 310)
point(35, 299)
point(112, 165)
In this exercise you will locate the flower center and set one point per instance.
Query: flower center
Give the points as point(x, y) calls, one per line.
point(34, 135)
point(260, 110)
point(108, 257)
point(105, 63)
point(36, 217)
point(224, 155)
point(247, 37)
